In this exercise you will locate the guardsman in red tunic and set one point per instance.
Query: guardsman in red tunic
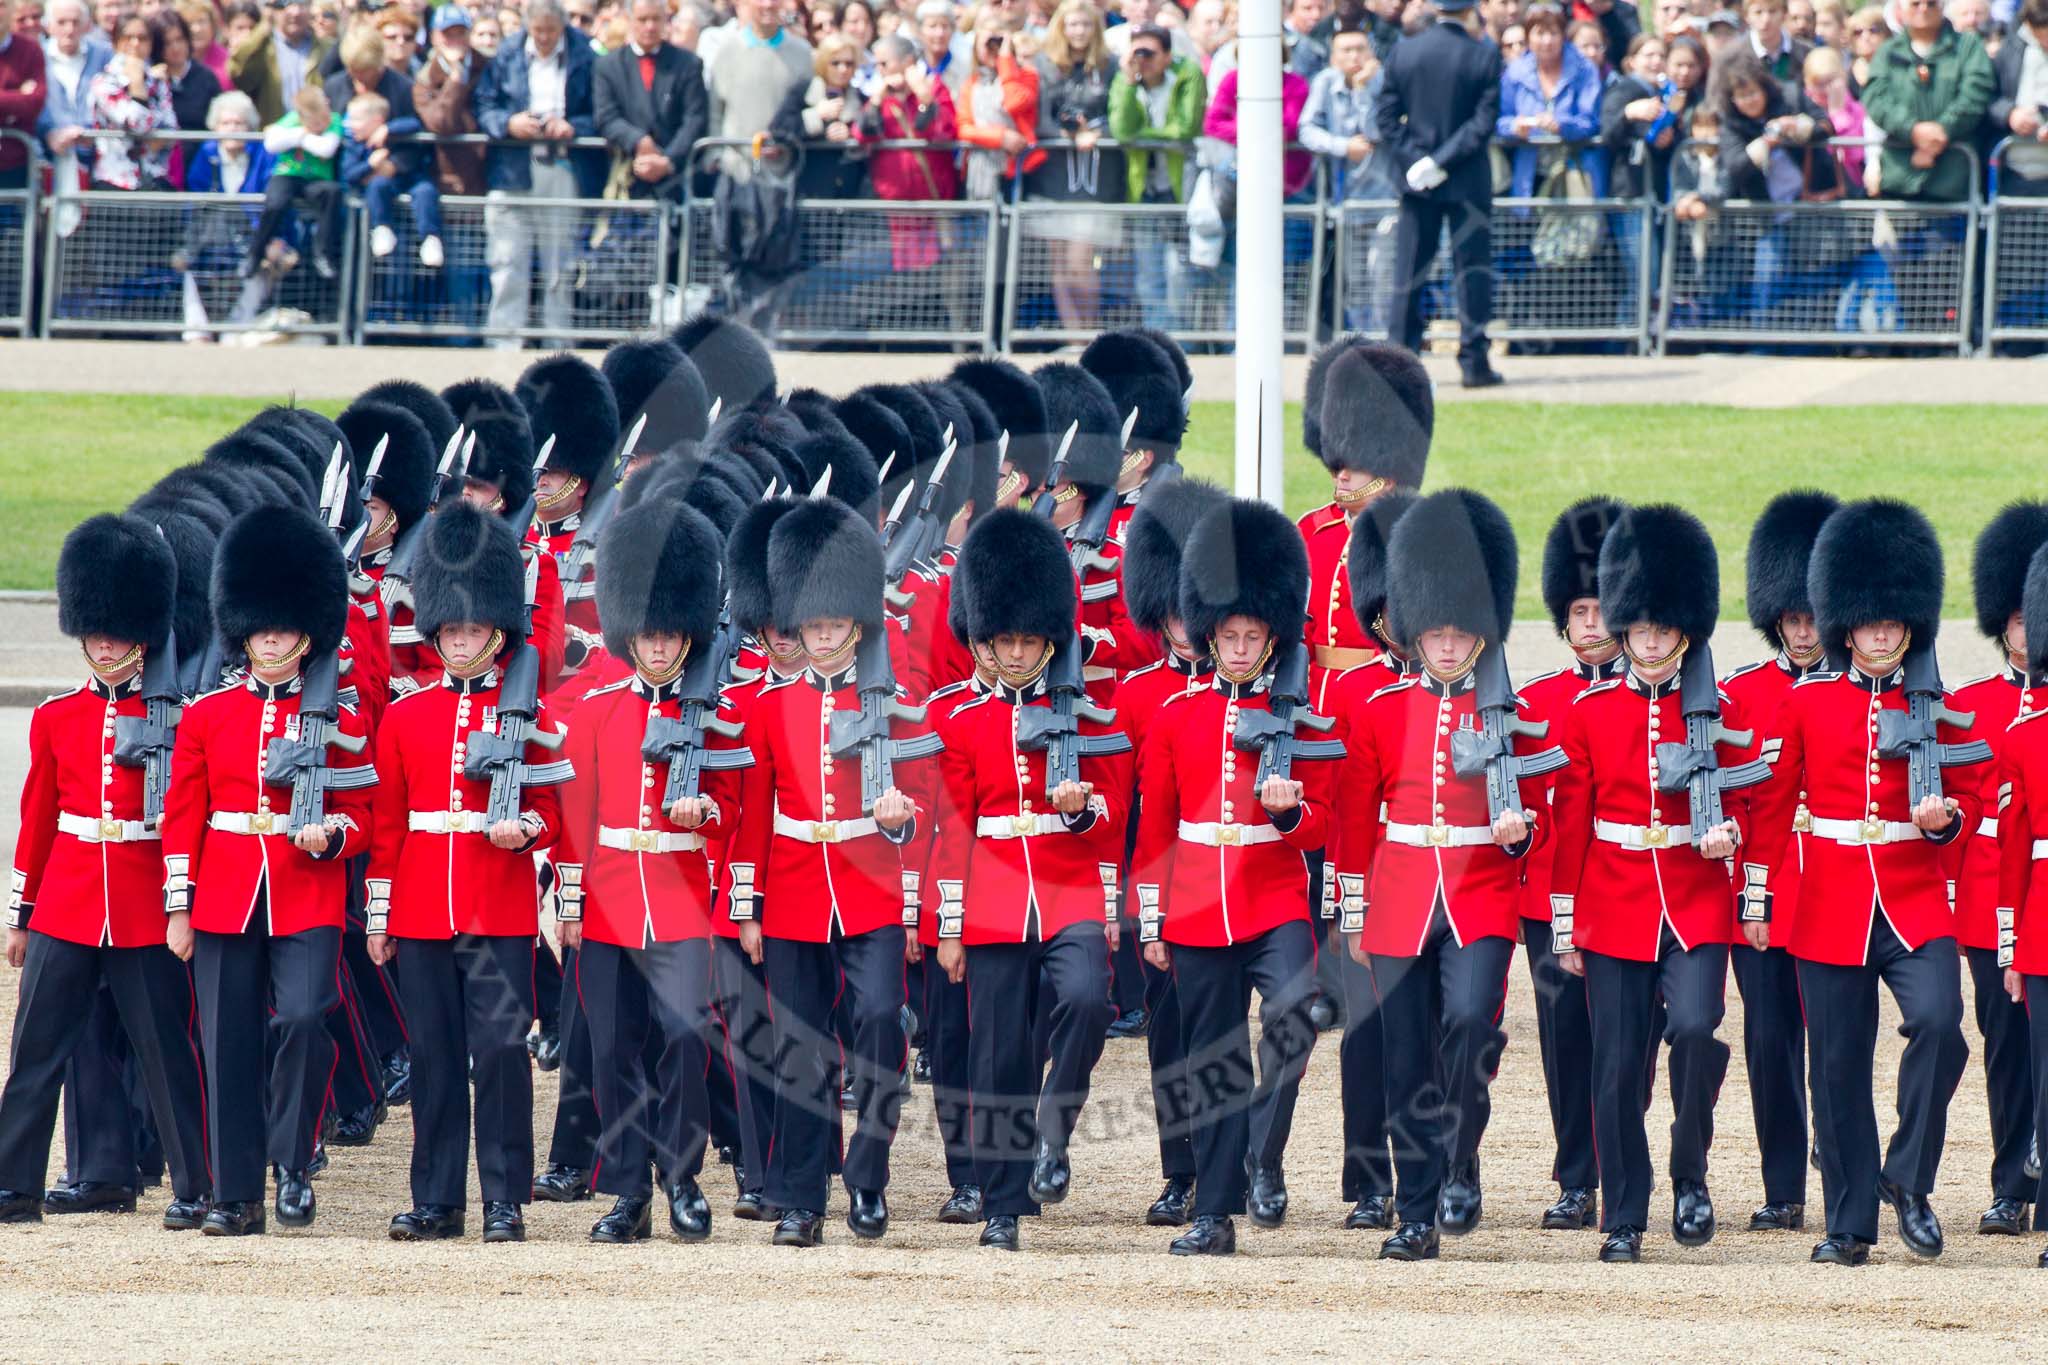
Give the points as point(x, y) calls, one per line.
point(1873, 897)
point(817, 876)
point(257, 906)
point(500, 480)
point(452, 893)
point(1025, 904)
point(1773, 1024)
point(1369, 416)
point(2022, 813)
point(1146, 372)
point(1999, 573)
point(1571, 592)
point(1428, 886)
point(651, 377)
point(396, 500)
point(84, 907)
point(1637, 908)
point(1019, 408)
point(641, 871)
point(969, 490)
point(1151, 570)
point(1221, 868)
point(566, 398)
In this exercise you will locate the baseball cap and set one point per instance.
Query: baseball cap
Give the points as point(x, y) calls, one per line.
point(1156, 33)
point(450, 16)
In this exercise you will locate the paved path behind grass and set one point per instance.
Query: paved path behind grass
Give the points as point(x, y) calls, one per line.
point(341, 372)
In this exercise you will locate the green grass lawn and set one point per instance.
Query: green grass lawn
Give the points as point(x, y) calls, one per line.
point(64, 457)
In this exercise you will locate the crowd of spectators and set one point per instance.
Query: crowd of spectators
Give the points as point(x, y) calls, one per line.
point(1043, 103)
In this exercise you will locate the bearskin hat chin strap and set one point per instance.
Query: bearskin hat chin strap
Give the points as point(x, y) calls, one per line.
point(1236, 679)
point(1459, 673)
point(1880, 664)
point(291, 656)
point(485, 658)
point(1019, 679)
point(1804, 659)
point(548, 502)
point(669, 674)
point(117, 671)
point(1358, 497)
point(1677, 657)
point(839, 658)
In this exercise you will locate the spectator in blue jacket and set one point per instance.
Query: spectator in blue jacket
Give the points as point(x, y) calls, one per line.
point(536, 91)
point(1550, 93)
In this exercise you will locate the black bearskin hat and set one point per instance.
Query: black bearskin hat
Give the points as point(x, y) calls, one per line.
point(1780, 548)
point(1074, 396)
point(1019, 408)
point(853, 471)
point(1312, 392)
point(746, 564)
point(1378, 414)
point(1451, 561)
point(470, 399)
point(1139, 374)
point(1998, 568)
point(923, 424)
point(1166, 516)
point(179, 492)
point(283, 426)
point(876, 426)
point(656, 379)
point(767, 432)
point(503, 457)
point(1658, 567)
point(1876, 560)
point(1365, 562)
point(1018, 581)
point(469, 570)
point(229, 487)
point(278, 568)
point(815, 410)
point(2034, 610)
point(718, 503)
point(730, 357)
point(952, 413)
point(1175, 356)
point(436, 414)
point(825, 560)
point(657, 571)
point(116, 576)
point(974, 472)
point(274, 460)
point(565, 397)
point(1571, 554)
point(1244, 558)
point(193, 544)
point(405, 479)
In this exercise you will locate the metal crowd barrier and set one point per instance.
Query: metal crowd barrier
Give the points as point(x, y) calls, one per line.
point(17, 239)
point(2015, 258)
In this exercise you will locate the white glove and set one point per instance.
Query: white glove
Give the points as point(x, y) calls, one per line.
point(1425, 175)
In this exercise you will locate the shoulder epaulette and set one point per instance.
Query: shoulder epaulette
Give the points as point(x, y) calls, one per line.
point(1545, 677)
point(2026, 716)
point(1391, 688)
point(965, 707)
point(775, 684)
point(1152, 667)
point(1746, 668)
point(392, 705)
point(59, 696)
point(224, 687)
point(1180, 697)
point(951, 689)
point(607, 689)
point(1594, 689)
point(1816, 678)
point(1981, 678)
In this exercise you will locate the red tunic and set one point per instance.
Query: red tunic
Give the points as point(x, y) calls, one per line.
point(934, 651)
point(1118, 645)
point(441, 884)
point(1397, 794)
point(1973, 860)
point(2022, 829)
point(1624, 896)
point(368, 656)
point(1759, 689)
point(1059, 866)
point(217, 769)
point(579, 600)
point(1827, 736)
point(918, 877)
point(1548, 699)
point(1243, 875)
point(613, 822)
point(82, 890)
point(1332, 624)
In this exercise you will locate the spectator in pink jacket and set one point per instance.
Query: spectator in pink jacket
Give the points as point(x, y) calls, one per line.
point(1827, 86)
point(909, 104)
point(1221, 124)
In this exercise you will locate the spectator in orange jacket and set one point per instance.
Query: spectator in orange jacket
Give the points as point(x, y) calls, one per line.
point(998, 110)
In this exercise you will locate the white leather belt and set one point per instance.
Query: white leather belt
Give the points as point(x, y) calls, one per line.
point(648, 840)
point(1855, 833)
point(1639, 837)
point(1988, 827)
point(447, 822)
point(104, 831)
point(825, 831)
point(1215, 835)
point(1019, 826)
point(243, 822)
point(1439, 836)
point(1091, 673)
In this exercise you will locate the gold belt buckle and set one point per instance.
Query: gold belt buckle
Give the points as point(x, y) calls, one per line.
point(110, 831)
point(646, 841)
point(824, 831)
point(1872, 831)
point(1439, 835)
point(260, 822)
point(1229, 836)
point(1022, 825)
point(1657, 836)
point(1802, 822)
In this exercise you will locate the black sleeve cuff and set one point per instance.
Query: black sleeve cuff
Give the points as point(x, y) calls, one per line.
point(1286, 820)
point(900, 837)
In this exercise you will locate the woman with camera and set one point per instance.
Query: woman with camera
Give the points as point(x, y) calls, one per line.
point(1074, 74)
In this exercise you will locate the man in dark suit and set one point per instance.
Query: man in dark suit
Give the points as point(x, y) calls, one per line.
point(651, 104)
point(1436, 110)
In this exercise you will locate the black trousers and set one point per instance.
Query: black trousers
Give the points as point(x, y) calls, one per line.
point(252, 985)
point(1439, 1098)
point(1774, 1050)
point(1017, 1103)
point(547, 985)
point(1564, 1035)
point(153, 997)
point(740, 999)
point(1416, 237)
point(576, 1126)
point(629, 994)
point(1166, 1047)
point(1233, 1114)
point(322, 200)
point(1127, 973)
point(2036, 1015)
point(358, 1068)
point(375, 987)
point(2008, 1075)
point(1368, 1161)
point(470, 1000)
point(1841, 1030)
point(104, 1138)
point(1622, 995)
point(946, 1034)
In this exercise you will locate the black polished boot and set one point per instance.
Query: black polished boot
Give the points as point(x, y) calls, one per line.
point(1133, 1024)
point(398, 1077)
point(1624, 1246)
point(1001, 1232)
point(358, 1129)
point(427, 1223)
point(503, 1222)
point(19, 1207)
point(1458, 1205)
point(1266, 1197)
point(1778, 1218)
point(750, 1207)
point(1212, 1235)
point(1373, 1211)
point(295, 1203)
point(242, 1219)
point(1051, 1174)
point(1919, 1229)
point(867, 1213)
point(560, 1184)
point(546, 1048)
point(1839, 1248)
point(2007, 1217)
point(689, 1213)
point(89, 1196)
point(964, 1205)
point(631, 1220)
point(1578, 1207)
point(921, 1069)
point(1325, 1014)
point(1171, 1208)
point(1692, 1213)
point(800, 1228)
point(183, 1215)
point(1411, 1242)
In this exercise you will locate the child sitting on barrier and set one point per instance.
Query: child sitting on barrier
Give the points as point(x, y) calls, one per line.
point(369, 166)
point(305, 171)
